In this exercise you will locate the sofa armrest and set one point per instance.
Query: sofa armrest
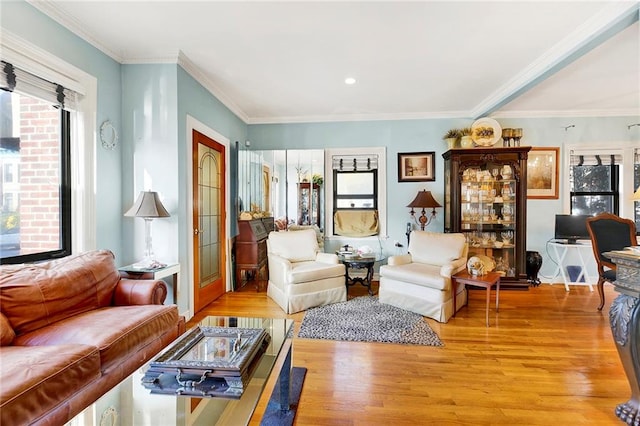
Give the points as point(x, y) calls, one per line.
point(328, 258)
point(139, 292)
point(454, 267)
point(399, 259)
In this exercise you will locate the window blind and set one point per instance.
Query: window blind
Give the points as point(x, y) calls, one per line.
point(354, 163)
point(591, 158)
point(14, 79)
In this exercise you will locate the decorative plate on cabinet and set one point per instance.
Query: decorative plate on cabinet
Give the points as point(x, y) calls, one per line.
point(486, 131)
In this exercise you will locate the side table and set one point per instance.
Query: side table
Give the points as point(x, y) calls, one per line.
point(132, 272)
point(487, 281)
point(359, 262)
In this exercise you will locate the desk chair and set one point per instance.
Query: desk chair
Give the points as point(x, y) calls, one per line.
point(609, 232)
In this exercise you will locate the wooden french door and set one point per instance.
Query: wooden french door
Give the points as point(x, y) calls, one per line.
point(209, 219)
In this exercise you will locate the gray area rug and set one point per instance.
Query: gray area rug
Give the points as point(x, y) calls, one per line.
point(365, 319)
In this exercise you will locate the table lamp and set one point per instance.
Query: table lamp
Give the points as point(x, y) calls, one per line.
point(423, 200)
point(148, 207)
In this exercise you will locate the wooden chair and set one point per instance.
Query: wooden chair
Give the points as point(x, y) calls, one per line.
point(609, 232)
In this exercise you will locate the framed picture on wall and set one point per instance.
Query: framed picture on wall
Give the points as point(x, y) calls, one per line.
point(542, 173)
point(416, 166)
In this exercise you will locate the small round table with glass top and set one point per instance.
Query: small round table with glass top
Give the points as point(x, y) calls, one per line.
point(359, 262)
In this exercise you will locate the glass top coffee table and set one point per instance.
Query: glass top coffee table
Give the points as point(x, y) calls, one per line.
point(360, 262)
point(131, 403)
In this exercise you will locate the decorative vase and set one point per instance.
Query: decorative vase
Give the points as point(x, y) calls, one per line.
point(534, 263)
point(466, 142)
point(451, 142)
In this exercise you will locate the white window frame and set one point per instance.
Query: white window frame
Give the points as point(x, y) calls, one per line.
point(625, 150)
point(382, 188)
point(37, 61)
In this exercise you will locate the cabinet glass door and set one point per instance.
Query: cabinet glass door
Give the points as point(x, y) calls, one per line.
point(488, 219)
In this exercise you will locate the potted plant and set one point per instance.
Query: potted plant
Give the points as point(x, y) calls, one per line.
point(451, 137)
point(317, 179)
point(465, 138)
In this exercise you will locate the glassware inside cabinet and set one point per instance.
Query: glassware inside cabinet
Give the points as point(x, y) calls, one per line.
point(487, 212)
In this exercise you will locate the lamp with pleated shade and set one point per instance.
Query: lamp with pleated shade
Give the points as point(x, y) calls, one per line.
point(424, 200)
point(148, 206)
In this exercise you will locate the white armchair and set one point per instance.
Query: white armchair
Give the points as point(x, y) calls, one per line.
point(421, 280)
point(300, 276)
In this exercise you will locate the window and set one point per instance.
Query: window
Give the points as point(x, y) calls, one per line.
point(603, 179)
point(355, 190)
point(595, 185)
point(362, 184)
point(35, 222)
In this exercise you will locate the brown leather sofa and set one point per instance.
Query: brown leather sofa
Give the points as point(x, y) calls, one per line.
point(71, 329)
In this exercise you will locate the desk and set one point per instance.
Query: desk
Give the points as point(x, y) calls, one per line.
point(583, 251)
point(358, 262)
point(624, 317)
point(487, 281)
point(155, 274)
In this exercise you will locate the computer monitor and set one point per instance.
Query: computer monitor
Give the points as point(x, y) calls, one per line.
point(571, 228)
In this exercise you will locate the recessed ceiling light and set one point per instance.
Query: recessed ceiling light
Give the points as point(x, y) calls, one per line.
point(349, 80)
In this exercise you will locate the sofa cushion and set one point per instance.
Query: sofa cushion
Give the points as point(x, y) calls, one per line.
point(295, 246)
point(116, 331)
point(436, 248)
point(37, 379)
point(6, 332)
point(35, 295)
point(417, 273)
point(302, 272)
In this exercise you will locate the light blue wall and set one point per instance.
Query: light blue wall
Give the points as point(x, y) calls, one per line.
point(150, 152)
point(195, 101)
point(426, 135)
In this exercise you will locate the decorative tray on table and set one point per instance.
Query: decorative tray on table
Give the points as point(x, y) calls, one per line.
point(208, 362)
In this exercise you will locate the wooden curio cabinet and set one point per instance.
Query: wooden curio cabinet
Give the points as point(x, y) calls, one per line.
point(308, 204)
point(485, 197)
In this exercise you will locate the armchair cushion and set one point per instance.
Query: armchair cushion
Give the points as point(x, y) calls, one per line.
point(296, 246)
point(417, 273)
point(436, 248)
point(302, 272)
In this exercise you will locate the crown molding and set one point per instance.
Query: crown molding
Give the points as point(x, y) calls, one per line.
point(358, 117)
point(49, 8)
point(194, 71)
point(630, 112)
point(612, 19)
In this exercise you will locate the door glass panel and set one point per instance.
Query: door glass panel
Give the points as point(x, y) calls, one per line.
point(209, 192)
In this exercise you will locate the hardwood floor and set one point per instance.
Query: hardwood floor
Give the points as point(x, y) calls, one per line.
point(548, 358)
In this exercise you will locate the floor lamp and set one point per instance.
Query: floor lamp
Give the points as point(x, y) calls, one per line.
point(148, 207)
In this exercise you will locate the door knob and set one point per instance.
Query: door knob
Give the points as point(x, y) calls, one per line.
point(196, 231)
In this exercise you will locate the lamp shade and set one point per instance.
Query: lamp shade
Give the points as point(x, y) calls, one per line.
point(636, 195)
point(147, 205)
point(424, 199)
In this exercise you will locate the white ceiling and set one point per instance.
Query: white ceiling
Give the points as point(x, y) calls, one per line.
point(286, 61)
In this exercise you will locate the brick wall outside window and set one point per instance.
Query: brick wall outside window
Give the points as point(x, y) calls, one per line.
point(39, 205)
